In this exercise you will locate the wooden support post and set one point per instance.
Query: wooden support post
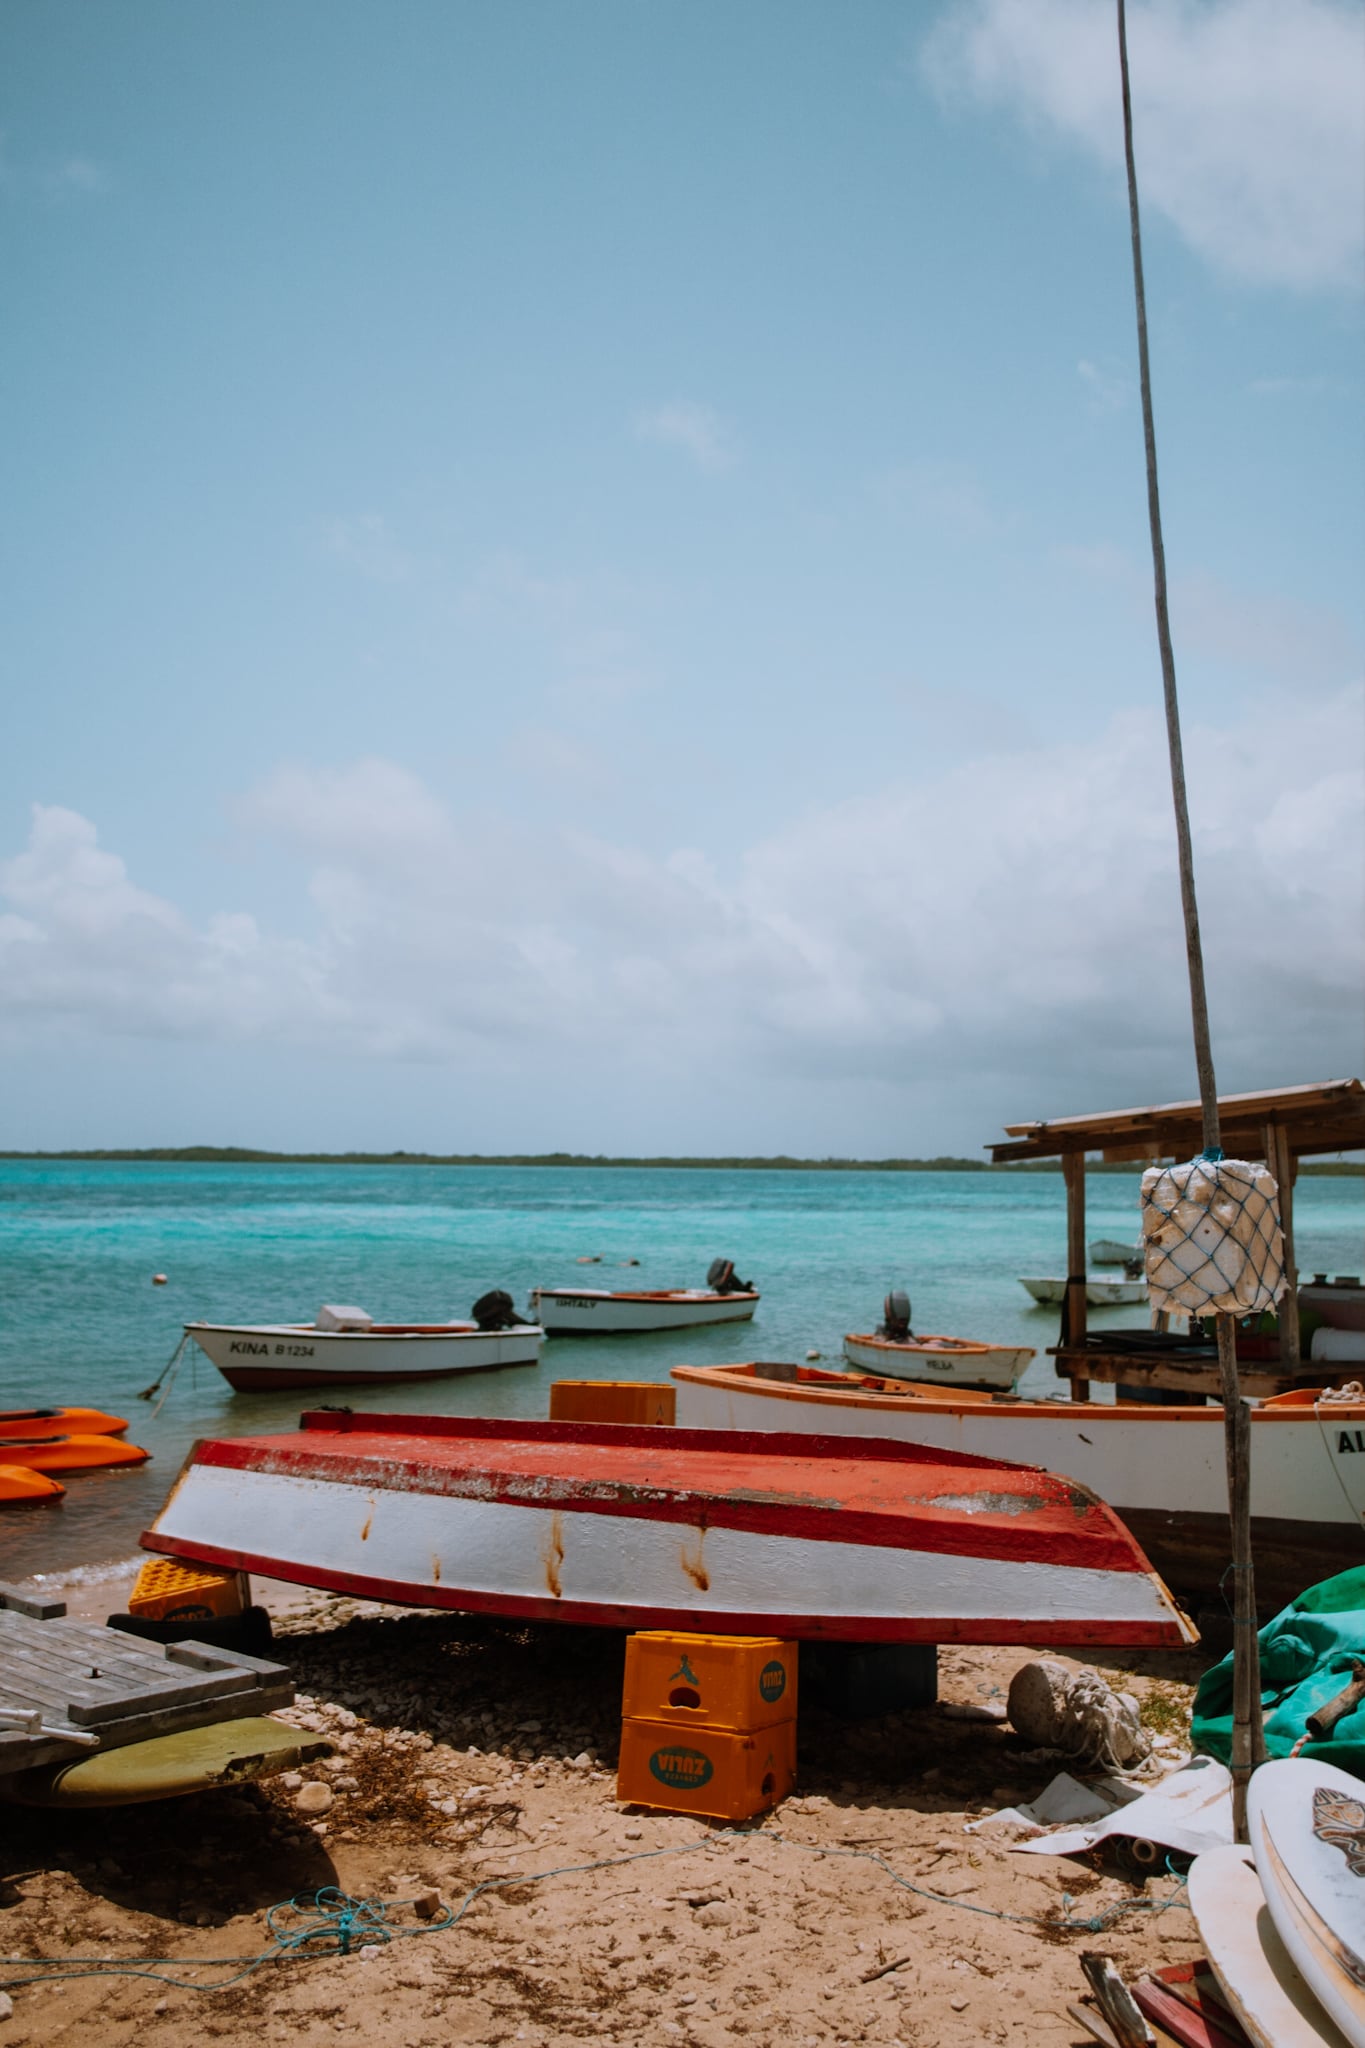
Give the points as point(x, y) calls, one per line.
point(1073, 1171)
point(1248, 1734)
point(1277, 1158)
point(1248, 1745)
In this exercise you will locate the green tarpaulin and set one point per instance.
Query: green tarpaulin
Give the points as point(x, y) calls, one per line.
point(1306, 1657)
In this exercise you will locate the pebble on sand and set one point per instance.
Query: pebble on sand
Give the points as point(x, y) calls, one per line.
point(314, 1798)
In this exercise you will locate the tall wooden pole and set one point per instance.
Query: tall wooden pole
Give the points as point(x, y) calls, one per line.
point(1248, 1742)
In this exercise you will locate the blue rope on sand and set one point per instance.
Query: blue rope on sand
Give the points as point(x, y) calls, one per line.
point(331, 1922)
point(321, 1923)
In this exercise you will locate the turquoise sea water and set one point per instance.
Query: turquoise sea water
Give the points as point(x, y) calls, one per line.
point(82, 1324)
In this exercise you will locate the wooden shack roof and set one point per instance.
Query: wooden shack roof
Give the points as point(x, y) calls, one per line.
point(1320, 1116)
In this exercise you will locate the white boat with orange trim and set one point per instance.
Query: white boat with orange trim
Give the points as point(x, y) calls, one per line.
point(894, 1349)
point(945, 1361)
point(1161, 1468)
point(600, 1312)
point(647, 1527)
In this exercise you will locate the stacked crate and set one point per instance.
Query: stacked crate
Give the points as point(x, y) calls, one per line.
point(612, 1401)
point(708, 1723)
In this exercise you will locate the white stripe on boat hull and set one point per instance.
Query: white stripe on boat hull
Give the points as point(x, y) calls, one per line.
point(430, 1549)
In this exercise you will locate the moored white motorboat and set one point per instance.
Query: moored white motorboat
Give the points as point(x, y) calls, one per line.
point(1099, 1293)
point(894, 1348)
point(947, 1361)
point(1162, 1469)
point(1110, 1251)
point(601, 1312)
point(592, 1311)
point(632, 1527)
point(346, 1348)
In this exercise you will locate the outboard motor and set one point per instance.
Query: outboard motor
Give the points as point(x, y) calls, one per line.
point(720, 1278)
point(896, 1317)
point(495, 1312)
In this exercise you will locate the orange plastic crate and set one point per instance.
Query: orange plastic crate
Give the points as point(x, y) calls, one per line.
point(735, 1682)
point(167, 1591)
point(612, 1401)
point(717, 1772)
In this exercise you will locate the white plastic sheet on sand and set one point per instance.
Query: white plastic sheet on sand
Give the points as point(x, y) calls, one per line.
point(1190, 1811)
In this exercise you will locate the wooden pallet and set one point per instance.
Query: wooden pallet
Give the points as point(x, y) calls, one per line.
point(67, 1687)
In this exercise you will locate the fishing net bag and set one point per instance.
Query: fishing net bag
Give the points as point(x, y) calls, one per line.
point(1211, 1237)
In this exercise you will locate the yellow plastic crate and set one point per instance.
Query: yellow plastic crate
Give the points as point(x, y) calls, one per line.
point(718, 1772)
point(169, 1591)
point(704, 1681)
point(612, 1401)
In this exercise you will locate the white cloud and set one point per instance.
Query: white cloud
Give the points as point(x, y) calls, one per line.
point(695, 429)
point(1020, 916)
point(1105, 390)
point(77, 174)
point(945, 496)
point(366, 545)
point(55, 179)
point(1248, 114)
point(1251, 630)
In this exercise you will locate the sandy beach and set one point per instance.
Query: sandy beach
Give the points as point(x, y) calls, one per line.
point(480, 1754)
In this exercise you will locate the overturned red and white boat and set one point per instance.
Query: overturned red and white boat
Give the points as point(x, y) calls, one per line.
point(642, 1527)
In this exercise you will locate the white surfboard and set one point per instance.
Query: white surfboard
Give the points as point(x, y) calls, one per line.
point(1307, 1826)
point(1254, 1970)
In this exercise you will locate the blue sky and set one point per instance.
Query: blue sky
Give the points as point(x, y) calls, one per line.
point(576, 576)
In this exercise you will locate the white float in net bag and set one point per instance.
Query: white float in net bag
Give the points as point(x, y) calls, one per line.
point(1211, 1237)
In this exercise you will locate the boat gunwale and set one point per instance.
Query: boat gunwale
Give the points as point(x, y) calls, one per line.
point(698, 1297)
point(940, 1398)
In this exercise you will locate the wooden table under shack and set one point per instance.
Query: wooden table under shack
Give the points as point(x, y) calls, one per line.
point(1279, 1126)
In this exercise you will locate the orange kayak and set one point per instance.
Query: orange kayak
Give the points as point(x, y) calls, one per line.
point(52, 1421)
point(70, 1453)
point(19, 1487)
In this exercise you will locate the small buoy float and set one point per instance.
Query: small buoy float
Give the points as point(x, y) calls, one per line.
point(812, 1355)
point(158, 1279)
point(21, 1488)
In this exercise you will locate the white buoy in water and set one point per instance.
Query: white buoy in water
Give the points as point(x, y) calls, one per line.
point(158, 1279)
point(812, 1356)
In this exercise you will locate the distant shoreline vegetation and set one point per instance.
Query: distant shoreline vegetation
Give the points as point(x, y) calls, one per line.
point(240, 1155)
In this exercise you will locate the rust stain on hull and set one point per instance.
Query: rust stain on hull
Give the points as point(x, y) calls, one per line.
point(554, 1556)
point(436, 1569)
point(695, 1567)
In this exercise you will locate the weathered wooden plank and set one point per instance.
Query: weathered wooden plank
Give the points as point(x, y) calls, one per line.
point(79, 1659)
point(97, 1696)
point(36, 1604)
point(96, 1675)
